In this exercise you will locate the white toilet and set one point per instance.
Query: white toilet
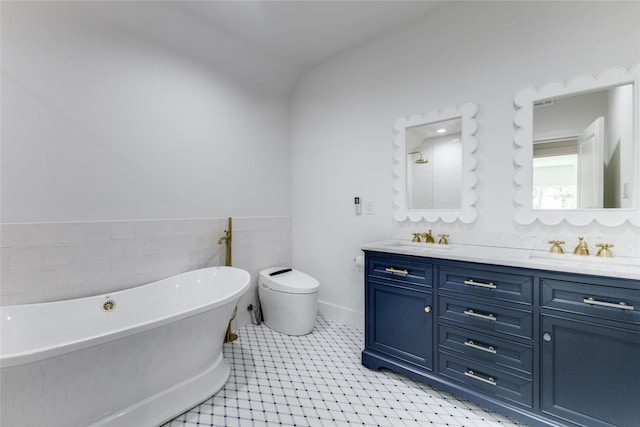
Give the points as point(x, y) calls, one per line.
point(289, 300)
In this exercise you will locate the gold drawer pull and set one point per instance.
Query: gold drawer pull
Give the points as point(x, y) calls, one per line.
point(480, 284)
point(397, 271)
point(621, 305)
point(489, 316)
point(473, 375)
point(491, 349)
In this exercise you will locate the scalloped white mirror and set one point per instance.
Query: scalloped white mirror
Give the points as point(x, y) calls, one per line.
point(434, 165)
point(577, 151)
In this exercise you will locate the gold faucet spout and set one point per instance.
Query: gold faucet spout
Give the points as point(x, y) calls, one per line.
point(582, 248)
point(428, 238)
point(224, 238)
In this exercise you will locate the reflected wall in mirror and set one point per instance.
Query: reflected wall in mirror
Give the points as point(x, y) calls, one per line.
point(578, 150)
point(434, 165)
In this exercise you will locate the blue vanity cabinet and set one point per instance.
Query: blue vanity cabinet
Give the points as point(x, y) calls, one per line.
point(548, 348)
point(590, 351)
point(399, 314)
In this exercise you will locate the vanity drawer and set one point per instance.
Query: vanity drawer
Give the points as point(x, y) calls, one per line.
point(489, 317)
point(400, 268)
point(606, 302)
point(487, 379)
point(491, 284)
point(494, 351)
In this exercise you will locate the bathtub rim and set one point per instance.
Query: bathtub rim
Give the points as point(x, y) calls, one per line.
point(23, 358)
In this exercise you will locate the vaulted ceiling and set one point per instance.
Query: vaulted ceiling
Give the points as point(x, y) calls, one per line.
point(308, 32)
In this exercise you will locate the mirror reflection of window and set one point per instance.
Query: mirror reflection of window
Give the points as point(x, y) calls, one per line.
point(555, 175)
point(598, 128)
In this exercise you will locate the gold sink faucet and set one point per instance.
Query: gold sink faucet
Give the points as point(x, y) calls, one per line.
point(416, 238)
point(556, 248)
point(604, 251)
point(443, 239)
point(428, 238)
point(582, 248)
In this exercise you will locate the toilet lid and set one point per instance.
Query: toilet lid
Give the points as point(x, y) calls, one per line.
point(292, 282)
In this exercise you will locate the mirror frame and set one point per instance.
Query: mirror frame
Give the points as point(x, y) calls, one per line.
point(469, 126)
point(524, 213)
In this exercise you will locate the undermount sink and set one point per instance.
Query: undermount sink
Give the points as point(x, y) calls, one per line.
point(420, 247)
point(551, 258)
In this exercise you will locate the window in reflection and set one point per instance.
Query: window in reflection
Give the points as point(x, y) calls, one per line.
point(555, 182)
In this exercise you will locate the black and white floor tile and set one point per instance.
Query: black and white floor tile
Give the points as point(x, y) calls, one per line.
point(318, 380)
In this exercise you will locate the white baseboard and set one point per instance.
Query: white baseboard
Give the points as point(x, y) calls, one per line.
point(341, 314)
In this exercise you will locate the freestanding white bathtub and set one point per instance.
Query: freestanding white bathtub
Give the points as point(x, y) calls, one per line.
point(136, 357)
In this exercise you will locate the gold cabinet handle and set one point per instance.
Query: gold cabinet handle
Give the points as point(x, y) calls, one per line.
point(397, 271)
point(480, 284)
point(621, 305)
point(427, 309)
point(489, 316)
point(475, 376)
point(491, 349)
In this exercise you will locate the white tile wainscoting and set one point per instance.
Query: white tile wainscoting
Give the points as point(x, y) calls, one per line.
point(54, 261)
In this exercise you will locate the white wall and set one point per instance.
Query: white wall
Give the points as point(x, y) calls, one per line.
point(569, 116)
point(130, 131)
point(439, 182)
point(100, 123)
point(484, 52)
point(620, 139)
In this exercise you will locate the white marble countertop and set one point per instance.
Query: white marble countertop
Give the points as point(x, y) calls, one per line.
point(622, 267)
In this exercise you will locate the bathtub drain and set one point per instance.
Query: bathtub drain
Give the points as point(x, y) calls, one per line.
point(108, 305)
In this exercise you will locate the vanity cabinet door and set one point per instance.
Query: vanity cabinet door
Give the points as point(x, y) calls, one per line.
point(400, 323)
point(590, 371)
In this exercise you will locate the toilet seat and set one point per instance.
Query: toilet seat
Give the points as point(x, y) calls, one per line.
point(291, 282)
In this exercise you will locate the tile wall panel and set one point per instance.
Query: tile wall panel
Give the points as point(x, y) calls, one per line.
point(53, 261)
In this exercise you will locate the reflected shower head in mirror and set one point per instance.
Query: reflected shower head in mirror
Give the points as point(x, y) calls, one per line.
point(421, 160)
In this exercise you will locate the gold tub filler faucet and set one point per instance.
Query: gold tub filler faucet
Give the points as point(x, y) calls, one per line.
point(229, 336)
point(227, 240)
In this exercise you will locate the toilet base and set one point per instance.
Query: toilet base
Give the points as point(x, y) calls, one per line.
point(290, 314)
